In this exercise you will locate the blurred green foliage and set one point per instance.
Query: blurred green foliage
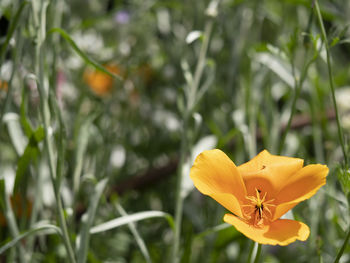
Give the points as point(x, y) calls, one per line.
point(131, 135)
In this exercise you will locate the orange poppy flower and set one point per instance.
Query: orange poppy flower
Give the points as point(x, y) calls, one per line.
point(259, 192)
point(99, 82)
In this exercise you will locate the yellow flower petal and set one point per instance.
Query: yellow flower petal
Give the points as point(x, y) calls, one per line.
point(214, 174)
point(261, 181)
point(229, 201)
point(299, 187)
point(270, 170)
point(280, 232)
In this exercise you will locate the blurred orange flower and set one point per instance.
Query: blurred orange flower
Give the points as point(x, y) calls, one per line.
point(3, 85)
point(99, 82)
point(259, 192)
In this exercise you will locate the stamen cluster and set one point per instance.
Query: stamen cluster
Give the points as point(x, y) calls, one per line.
point(258, 210)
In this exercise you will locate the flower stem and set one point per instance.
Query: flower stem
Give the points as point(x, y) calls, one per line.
point(251, 250)
point(258, 253)
point(255, 249)
point(331, 82)
point(341, 251)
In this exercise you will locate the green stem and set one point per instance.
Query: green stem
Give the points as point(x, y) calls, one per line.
point(251, 250)
point(184, 153)
point(201, 63)
point(10, 217)
point(179, 198)
point(298, 87)
point(340, 130)
point(258, 253)
point(136, 234)
point(341, 251)
point(331, 82)
point(45, 114)
point(18, 49)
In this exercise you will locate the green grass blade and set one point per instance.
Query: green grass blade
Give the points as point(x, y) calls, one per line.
point(121, 221)
point(17, 137)
point(136, 234)
point(30, 154)
point(88, 60)
point(276, 65)
point(43, 229)
point(11, 220)
point(341, 251)
point(331, 83)
point(84, 236)
point(62, 135)
point(82, 142)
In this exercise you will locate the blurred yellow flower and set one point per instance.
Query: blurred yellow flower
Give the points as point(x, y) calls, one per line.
point(259, 192)
point(99, 82)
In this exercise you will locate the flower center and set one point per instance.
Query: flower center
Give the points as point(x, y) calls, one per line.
point(258, 209)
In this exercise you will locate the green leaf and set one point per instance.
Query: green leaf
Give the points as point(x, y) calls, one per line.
point(88, 219)
point(43, 229)
point(2, 194)
point(344, 179)
point(88, 60)
point(27, 127)
point(276, 65)
point(18, 139)
point(30, 153)
point(82, 142)
point(62, 135)
point(124, 220)
point(335, 41)
point(39, 134)
point(140, 242)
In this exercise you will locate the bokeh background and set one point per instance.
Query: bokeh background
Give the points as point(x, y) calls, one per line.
point(129, 131)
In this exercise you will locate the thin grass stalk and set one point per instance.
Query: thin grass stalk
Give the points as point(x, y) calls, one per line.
point(9, 35)
point(6, 104)
point(200, 65)
point(340, 130)
point(331, 81)
point(37, 205)
point(49, 147)
point(136, 235)
point(341, 251)
point(87, 221)
point(184, 152)
point(179, 198)
point(11, 220)
point(9, 214)
point(45, 114)
point(31, 232)
point(298, 87)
